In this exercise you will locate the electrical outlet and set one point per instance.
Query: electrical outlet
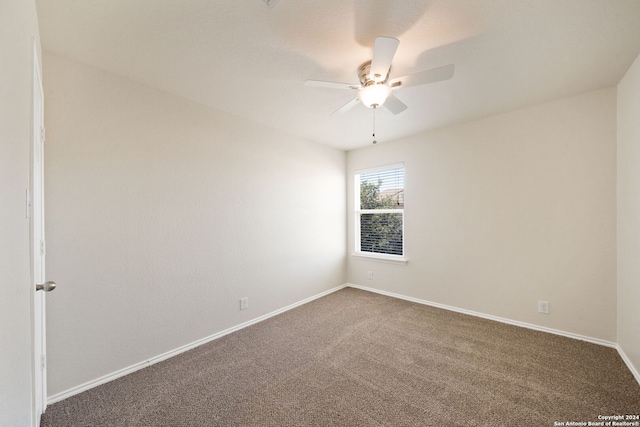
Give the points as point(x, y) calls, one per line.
point(370, 275)
point(244, 303)
point(543, 307)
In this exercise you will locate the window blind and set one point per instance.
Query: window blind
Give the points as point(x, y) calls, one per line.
point(380, 211)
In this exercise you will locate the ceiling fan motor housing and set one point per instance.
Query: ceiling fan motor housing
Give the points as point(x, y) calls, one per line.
point(365, 77)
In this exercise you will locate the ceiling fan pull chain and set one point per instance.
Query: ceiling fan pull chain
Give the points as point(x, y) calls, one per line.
point(374, 127)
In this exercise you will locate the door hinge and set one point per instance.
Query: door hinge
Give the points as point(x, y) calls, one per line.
point(43, 247)
point(43, 361)
point(43, 134)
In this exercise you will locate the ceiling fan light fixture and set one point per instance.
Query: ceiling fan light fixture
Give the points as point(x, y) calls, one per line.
point(374, 95)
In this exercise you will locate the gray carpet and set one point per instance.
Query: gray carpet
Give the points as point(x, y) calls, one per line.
point(355, 358)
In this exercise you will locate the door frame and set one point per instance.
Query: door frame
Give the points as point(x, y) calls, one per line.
point(35, 211)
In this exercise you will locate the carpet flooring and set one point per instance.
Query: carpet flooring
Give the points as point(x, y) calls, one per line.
point(355, 358)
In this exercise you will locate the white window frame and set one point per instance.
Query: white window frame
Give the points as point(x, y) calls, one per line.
point(396, 259)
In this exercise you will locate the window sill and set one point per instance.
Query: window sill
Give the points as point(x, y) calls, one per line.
point(381, 258)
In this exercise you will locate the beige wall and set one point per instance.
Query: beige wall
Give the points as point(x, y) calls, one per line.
point(18, 29)
point(163, 213)
point(629, 215)
point(508, 210)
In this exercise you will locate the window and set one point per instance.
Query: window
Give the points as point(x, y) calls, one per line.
point(379, 211)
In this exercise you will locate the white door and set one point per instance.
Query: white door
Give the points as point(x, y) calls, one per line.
point(36, 214)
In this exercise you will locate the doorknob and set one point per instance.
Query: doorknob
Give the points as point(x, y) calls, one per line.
point(46, 286)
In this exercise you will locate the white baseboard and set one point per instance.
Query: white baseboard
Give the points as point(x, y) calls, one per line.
point(598, 341)
point(488, 316)
point(130, 369)
point(626, 359)
point(136, 367)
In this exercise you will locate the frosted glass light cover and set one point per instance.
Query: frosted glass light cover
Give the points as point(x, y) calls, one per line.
point(373, 96)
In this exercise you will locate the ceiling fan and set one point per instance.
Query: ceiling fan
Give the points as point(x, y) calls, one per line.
point(375, 88)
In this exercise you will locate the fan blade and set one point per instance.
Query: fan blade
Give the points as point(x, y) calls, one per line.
point(384, 50)
point(346, 107)
point(331, 85)
point(394, 105)
point(423, 77)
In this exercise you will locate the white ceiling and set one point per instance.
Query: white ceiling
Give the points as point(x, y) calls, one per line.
point(245, 58)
